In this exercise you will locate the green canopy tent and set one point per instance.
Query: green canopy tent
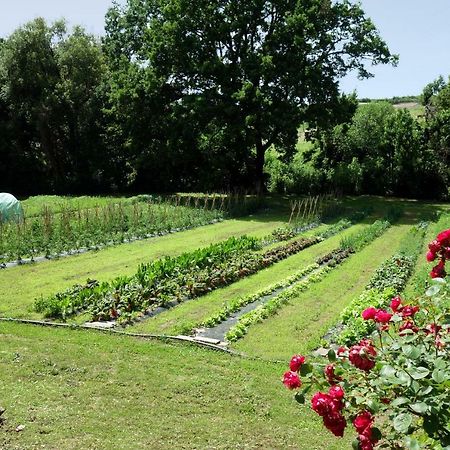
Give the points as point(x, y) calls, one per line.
point(10, 208)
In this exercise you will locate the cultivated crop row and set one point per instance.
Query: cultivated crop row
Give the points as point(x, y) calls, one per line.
point(71, 230)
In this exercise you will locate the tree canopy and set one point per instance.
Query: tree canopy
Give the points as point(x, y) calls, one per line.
point(50, 83)
point(245, 74)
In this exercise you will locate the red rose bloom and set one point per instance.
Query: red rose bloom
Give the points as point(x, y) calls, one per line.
point(362, 355)
point(446, 253)
point(444, 238)
point(382, 316)
point(431, 256)
point(396, 303)
point(331, 377)
point(408, 325)
point(369, 313)
point(291, 380)
point(362, 421)
point(438, 270)
point(296, 362)
point(321, 403)
point(336, 424)
point(336, 392)
point(410, 311)
point(365, 443)
point(434, 246)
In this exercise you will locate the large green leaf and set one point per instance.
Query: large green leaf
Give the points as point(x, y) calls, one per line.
point(402, 422)
point(420, 407)
point(419, 372)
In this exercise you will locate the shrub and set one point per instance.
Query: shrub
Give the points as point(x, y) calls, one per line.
point(392, 386)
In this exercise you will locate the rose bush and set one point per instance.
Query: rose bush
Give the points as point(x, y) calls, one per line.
point(393, 387)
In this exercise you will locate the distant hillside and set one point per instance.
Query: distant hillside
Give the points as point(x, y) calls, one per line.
point(394, 100)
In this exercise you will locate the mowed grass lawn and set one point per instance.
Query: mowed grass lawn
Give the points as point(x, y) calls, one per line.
point(19, 286)
point(300, 325)
point(87, 390)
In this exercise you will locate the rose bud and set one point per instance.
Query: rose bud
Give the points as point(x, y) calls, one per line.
point(396, 303)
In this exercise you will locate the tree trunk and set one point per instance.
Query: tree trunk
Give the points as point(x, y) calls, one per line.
point(259, 179)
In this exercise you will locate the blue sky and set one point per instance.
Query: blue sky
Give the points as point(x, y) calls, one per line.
point(418, 31)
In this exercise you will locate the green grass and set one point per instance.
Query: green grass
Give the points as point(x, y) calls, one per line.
point(46, 278)
point(299, 326)
point(85, 390)
point(184, 317)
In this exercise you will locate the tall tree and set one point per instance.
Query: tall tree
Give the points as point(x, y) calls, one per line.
point(51, 85)
point(249, 71)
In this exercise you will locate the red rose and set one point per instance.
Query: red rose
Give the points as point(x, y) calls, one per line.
point(431, 256)
point(362, 421)
point(365, 443)
point(434, 246)
point(296, 362)
point(336, 392)
point(438, 270)
point(291, 380)
point(362, 355)
point(383, 316)
point(336, 424)
point(369, 313)
point(321, 403)
point(396, 303)
point(408, 325)
point(444, 238)
point(410, 311)
point(446, 253)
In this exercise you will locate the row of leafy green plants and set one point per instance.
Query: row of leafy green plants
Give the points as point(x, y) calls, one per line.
point(71, 230)
point(388, 281)
point(172, 279)
point(293, 286)
point(295, 228)
point(354, 243)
